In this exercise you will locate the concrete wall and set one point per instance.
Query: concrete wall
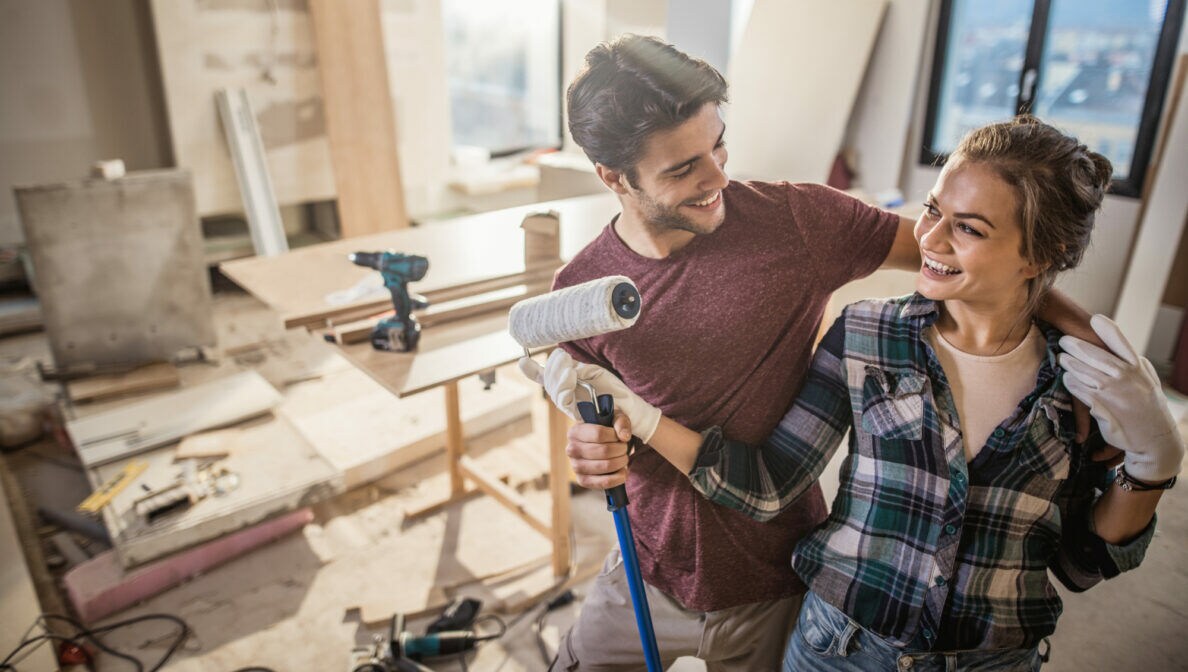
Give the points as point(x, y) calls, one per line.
point(79, 84)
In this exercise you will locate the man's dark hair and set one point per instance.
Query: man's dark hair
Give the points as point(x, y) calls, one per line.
point(631, 88)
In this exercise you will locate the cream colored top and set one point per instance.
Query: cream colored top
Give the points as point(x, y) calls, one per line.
point(987, 389)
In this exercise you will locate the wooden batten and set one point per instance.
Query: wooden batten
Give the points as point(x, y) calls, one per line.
point(337, 317)
point(449, 311)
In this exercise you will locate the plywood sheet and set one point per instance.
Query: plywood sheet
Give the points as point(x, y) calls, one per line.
point(793, 81)
point(366, 432)
point(166, 418)
point(359, 116)
point(119, 267)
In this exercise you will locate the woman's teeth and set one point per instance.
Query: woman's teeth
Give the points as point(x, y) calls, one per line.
point(937, 267)
point(709, 201)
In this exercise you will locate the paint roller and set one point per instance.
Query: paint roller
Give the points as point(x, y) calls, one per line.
point(590, 309)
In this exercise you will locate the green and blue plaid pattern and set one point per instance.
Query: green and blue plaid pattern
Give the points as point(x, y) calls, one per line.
point(921, 548)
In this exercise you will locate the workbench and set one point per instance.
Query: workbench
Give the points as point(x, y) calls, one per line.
point(462, 252)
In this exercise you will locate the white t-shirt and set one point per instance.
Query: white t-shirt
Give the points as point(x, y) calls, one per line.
point(987, 389)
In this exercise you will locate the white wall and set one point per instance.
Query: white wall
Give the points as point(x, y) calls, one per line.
point(702, 28)
point(79, 83)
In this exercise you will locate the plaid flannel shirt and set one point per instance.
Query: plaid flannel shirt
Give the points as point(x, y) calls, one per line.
point(921, 548)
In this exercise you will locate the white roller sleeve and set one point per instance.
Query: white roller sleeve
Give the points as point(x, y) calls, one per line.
point(569, 314)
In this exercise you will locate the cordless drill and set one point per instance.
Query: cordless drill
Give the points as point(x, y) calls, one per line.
point(400, 332)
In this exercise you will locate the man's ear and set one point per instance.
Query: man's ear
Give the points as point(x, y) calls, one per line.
point(615, 180)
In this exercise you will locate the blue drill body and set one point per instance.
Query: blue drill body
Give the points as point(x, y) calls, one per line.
point(402, 331)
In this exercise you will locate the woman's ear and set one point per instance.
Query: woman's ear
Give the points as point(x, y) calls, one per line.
point(615, 180)
point(1032, 269)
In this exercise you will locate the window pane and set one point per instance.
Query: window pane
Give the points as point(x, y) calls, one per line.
point(503, 60)
point(983, 61)
point(1095, 71)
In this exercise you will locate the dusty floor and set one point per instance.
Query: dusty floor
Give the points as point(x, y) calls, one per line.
point(287, 606)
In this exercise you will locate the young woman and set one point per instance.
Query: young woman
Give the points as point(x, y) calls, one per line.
point(963, 486)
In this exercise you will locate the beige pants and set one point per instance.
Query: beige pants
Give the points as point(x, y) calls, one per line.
point(604, 639)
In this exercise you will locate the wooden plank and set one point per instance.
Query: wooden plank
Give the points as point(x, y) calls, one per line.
point(360, 119)
point(460, 361)
point(450, 311)
point(156, 376)
point(218, 443)
point(455, 449)
point(375, 308)
point(469, 249)
point(504, 495)
point(559, 478)
point(767, 115)
point(144, 425)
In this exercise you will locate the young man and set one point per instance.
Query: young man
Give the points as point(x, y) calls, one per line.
point(735, 278)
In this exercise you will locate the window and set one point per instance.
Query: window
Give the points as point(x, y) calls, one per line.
point(504, 65)
point(1095, 68)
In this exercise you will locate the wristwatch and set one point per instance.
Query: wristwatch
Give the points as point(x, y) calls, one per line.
point(1131, 484)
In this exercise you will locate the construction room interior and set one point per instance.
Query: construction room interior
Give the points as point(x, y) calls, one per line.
point(260, 402)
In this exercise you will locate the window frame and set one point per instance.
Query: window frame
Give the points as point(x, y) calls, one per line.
point(513, 150)
point(1166, 51)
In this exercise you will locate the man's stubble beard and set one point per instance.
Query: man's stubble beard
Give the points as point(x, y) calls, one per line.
point(662, 218)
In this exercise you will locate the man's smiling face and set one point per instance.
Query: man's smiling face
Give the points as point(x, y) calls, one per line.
point(680, 177)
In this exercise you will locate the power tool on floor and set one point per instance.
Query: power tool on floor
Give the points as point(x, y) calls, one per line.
point(401, 331)
point(402, 651)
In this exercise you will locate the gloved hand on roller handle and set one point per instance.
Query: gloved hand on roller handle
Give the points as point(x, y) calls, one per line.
point(1123, 393)
point(597, 454)
point(560, 377)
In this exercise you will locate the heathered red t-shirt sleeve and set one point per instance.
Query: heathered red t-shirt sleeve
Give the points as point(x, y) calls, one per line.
point(835, 226)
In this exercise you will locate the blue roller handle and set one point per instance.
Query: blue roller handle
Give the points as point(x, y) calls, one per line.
point(616, 503)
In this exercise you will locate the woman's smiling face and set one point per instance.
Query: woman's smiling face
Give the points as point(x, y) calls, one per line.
point(971, 239)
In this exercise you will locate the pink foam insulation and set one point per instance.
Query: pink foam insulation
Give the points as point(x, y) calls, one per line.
point(101, 586)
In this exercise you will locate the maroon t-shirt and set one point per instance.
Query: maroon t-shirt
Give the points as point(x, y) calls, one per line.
point(725, 338)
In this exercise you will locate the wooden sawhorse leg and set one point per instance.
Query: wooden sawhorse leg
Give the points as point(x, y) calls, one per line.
point(462, 469)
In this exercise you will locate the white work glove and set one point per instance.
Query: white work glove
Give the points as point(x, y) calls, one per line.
point(1123, 393)
point(560, 376)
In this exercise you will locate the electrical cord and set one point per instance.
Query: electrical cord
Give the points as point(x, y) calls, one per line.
point(83, 635)
point(490, 617)
point(565, 598)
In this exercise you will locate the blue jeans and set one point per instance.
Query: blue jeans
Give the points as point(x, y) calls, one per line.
point(826, 639)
